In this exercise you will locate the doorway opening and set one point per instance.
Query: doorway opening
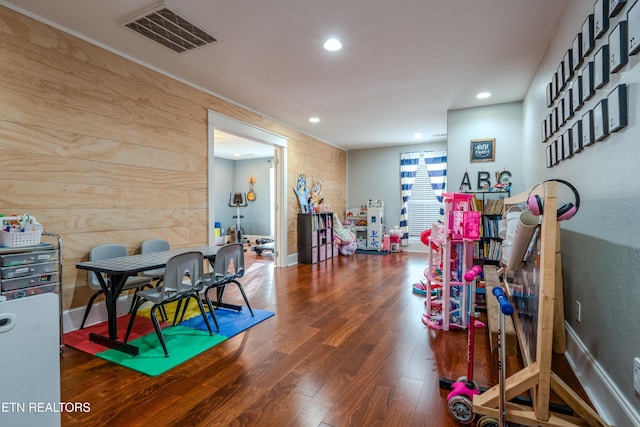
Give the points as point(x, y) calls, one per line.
point(271, 163)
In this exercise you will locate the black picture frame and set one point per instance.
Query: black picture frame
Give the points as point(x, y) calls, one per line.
point(600, 120)
point(567, 145)
point(587, 129)
point(617, 108)
point(577, 58)
point(576, 93)
point(618, 46)
point(600, 18)
point(561, 77)
point(633, 29)
point(576, 136)
point(567, 63)
point(615, 6)
point(588, 41)
point(588, 89)
point(601, 67)
point(568, 104)
point(483, 150)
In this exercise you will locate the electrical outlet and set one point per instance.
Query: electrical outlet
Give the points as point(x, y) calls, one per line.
point(578, 313)
point(636, 374)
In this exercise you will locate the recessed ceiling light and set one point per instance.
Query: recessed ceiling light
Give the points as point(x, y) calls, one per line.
point(333, 45)
point(483, 95)
point(417, 135)
point(314, 119)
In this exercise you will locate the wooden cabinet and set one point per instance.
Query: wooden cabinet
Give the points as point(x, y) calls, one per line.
point(315, 237)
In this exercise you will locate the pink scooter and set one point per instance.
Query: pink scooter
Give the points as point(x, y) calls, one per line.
point(460, 399)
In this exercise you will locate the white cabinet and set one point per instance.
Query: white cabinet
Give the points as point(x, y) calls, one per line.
point(29, 331)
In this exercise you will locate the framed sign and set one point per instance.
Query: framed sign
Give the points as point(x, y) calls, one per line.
point(483, 150)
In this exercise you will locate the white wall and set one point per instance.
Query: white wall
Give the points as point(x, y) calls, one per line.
point(375, 174)
point(502, 122)
point(601, 245)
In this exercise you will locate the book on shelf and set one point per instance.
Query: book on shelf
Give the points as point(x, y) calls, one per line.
point(493, 207)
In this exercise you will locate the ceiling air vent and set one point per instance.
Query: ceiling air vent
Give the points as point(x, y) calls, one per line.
point(170, 28)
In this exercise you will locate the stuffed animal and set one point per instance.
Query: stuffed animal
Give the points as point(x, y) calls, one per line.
point(344, 238)
point(302, 193)
point(315, 195)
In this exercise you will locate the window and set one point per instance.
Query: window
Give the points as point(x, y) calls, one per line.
point(423, 207)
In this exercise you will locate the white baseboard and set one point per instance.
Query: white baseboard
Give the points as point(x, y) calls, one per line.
point(71, 319)
point(612, 405)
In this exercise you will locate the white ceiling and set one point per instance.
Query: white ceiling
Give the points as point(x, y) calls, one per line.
point(232, 147)
point(404, 63)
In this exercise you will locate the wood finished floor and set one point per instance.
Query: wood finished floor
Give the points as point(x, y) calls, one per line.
point(345, 348)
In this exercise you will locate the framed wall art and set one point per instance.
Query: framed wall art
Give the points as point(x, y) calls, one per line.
point(587, 128)
point(577, 52)
point(600, 121)
point(576, 136)
point(483, 150)
point(576, 93)
point(587, 81)
point(633, 28)
point(588, 41)
point(601, 67)
point(618, 47)
point(615, 6)
point(617, 108)
point(567, 144)
point(600, 18)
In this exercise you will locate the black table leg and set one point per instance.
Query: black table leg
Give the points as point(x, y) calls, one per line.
point(112, 289)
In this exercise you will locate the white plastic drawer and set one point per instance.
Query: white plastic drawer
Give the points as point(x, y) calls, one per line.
point(23, 258)
point(28, 281)
point(27, 292)
point(27, 270)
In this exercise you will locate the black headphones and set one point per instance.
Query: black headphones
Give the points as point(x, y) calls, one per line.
point(564, 212)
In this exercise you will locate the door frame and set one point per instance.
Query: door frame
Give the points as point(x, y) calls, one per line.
point(279, 143)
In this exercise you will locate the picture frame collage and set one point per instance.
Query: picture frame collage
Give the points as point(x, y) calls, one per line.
point(584, 77)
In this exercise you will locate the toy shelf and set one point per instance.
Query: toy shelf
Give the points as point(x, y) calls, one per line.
point(450, 256)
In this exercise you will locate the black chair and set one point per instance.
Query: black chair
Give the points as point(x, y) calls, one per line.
point(183, 280)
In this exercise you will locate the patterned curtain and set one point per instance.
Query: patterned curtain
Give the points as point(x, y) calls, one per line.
point(436, 163)
point(408, 169)
point(437, 168)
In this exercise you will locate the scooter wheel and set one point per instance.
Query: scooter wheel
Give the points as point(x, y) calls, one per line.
point(461, 409)
point(487, 422)
point(463, 379)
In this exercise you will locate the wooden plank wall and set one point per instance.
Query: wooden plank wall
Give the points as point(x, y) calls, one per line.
point(101, 149)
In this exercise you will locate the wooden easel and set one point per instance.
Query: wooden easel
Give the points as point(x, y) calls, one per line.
point(537, 376)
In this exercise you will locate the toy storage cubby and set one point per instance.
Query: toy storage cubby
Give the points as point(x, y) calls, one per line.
point(451, 255)
point(315, 237)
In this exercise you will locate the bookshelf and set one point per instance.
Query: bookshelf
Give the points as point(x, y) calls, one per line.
point(315, 237)
point(488, 249)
